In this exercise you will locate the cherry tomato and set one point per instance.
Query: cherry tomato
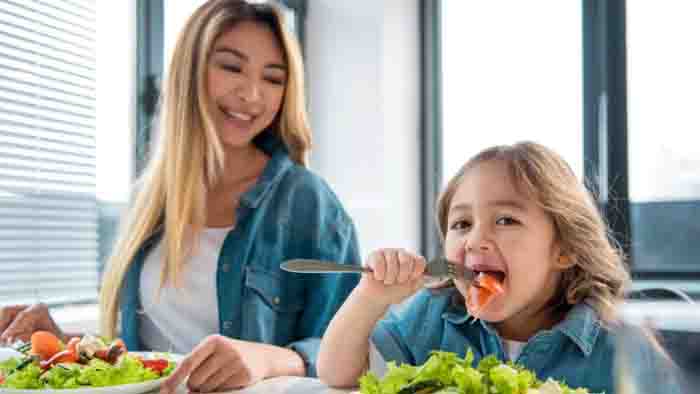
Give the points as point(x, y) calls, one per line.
point(158, 365)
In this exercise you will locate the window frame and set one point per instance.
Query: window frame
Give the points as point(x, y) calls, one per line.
point(605, 139)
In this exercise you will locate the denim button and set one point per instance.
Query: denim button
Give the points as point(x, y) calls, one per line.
point(276, 300)
point(226, 267)
point(228, 324)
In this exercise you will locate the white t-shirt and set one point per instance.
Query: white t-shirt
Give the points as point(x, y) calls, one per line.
point(178, 319)
point(377, 364)
point(513, 348)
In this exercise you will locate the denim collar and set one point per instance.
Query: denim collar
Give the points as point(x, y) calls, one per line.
point(581, 324)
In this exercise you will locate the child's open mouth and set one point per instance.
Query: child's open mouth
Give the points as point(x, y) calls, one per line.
point(490, 280)
point(487, 284)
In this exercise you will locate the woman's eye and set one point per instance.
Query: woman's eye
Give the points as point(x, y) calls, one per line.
point(507, 221)
point(460, 225)
point(231, 68)
point(275, 81)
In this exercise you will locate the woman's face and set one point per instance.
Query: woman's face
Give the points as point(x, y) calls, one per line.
point(247, 75)
point(492, 227)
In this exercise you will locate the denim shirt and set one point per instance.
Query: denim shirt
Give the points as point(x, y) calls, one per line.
point(578, 351)
point(289, 213)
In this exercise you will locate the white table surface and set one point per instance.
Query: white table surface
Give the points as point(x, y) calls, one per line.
point(285, 385)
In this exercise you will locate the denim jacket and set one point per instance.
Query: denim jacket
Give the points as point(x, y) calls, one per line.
point(578, 351)
point(289, 213)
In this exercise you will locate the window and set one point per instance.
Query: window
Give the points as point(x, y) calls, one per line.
point(65, 131)
point(48, 209)
point(510, 73)
point(664, 156)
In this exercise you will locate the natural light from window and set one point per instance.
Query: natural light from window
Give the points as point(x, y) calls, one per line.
point(511, 72)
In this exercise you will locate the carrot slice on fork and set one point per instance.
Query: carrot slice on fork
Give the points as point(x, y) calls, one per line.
point(489, 282)
point(484, 288)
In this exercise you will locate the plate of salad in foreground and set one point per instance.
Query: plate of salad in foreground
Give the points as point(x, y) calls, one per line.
point(87, 365)
point(447, 373)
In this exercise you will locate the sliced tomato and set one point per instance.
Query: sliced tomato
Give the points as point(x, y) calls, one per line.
point(490, 282)
point(157, 365)
point(2, 378)
point(45, 344)
point(65, 356)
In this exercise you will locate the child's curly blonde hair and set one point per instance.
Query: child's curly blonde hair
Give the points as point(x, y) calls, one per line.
point(598, 273)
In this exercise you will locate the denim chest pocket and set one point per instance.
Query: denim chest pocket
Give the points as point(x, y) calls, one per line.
point(271, 292)
point(271, 309)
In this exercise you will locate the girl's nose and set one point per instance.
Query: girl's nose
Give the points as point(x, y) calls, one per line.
point(477, 241)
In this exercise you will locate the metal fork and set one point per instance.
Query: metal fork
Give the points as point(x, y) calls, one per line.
point(441, 267)
point(438, 267)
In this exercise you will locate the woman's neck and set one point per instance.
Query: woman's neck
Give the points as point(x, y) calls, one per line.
point(242, 164)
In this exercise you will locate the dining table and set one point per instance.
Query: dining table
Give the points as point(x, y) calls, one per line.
point(284, 385)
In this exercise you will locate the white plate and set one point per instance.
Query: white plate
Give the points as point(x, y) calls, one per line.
point(133, 388)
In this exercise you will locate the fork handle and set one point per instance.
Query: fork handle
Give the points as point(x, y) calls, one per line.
point(317, 266)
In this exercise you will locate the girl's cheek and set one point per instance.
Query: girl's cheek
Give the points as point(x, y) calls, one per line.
point(453, 249)
point(461, 287)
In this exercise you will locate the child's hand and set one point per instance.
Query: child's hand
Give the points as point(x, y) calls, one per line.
point(397, 274)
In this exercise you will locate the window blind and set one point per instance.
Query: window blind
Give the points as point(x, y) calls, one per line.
point(48, 208)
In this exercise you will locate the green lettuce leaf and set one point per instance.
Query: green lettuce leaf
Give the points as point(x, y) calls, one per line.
point(447, 373)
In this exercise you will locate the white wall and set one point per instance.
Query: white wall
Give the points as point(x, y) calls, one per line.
point(116, 99)
point(362, 66)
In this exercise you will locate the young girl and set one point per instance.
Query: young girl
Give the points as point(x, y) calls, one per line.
point(517, 216)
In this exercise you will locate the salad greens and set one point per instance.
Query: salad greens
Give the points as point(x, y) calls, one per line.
point(48, 363)
point(447, 373)
point(96, 373)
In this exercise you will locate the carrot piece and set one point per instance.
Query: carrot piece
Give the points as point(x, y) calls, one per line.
point(45, 344)
point(119, 343)
point(477, 298)
point(490, 283)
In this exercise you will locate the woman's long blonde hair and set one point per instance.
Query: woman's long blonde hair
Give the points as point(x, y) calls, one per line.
point(189, 157)
point(598, 274)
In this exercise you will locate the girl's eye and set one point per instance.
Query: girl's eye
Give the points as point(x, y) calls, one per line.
point(507, 221)
point(460, 225)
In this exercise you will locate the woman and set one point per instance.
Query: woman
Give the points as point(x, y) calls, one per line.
point(226, 198)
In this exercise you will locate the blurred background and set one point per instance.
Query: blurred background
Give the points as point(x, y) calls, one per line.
point(401, 93)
